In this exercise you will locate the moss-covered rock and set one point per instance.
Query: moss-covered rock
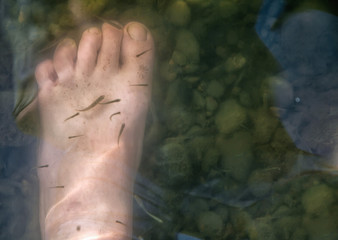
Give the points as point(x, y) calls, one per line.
point(230, 116)
point(174, 164)
point(178, 119)
point(264, 125)
point(178, 13)
point(235, 62)
point(85, 8)
point(187, 44)
point(215, 89)
point(209, 224)
point(321, 228)
point(261, 230)
point(260, 182)
point(318, 199)
point(236, 155)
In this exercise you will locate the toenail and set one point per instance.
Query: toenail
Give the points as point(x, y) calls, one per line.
point(68, 42)
point(137, 32)
point(94, 30)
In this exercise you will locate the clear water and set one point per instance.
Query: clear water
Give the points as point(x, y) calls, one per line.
point(240, 140)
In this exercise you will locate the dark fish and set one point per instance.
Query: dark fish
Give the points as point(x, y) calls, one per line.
point(112, 101)
point(140, 54)
point(121, 130)
point(74, 115)
point(97, 101)
point(114, 115)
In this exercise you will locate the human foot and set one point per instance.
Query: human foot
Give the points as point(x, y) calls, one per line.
point(93, 102)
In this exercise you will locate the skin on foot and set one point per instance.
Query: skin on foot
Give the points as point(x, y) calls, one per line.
point(93, 100)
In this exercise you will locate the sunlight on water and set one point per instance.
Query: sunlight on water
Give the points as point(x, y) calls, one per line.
point(242, 131)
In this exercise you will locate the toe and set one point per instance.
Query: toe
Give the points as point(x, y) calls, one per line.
point(109, 56)
point(88, 50)
point(64, 59)
point(45, 73)
point(137, 49)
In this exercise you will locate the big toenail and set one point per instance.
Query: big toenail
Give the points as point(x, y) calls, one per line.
point(137, 32)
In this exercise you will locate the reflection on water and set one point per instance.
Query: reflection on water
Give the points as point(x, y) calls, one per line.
point(235, 121)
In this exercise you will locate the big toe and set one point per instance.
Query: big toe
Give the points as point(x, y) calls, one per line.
point(137, 51)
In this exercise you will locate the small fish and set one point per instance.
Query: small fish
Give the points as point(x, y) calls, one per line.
point(42, 166)
point(114, 115)
point(112, 22)
point(74, 115)
point(97, 101)
point(58, 187)
point(139, 85)
point(112, 101)
point(117, 221)
point(70, 137)
point(140, 54)
point(140, 203)
point(121, 130)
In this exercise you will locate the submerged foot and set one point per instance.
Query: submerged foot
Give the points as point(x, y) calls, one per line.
point(93, 101)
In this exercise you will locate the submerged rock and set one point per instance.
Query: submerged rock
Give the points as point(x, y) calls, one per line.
point(210, 224)
point(282, 90)
point(321, 228)
point(223, 212)
point(215, 89)
point(230, 116)
point(210, 160)
point(198, 100)
point(187, 44)
point(264, 125)
point(167, 71)
point(260, 183)
point(261, 230)
point(178, 13)
point(199, 145)
point(299, 234)
point(234, 63)
point(285, 226)
point(317, 200)
point(174, 164)
point(236, 155)
point(145, 15)
point(211, 105)
point(179, 119)
point(85, 8)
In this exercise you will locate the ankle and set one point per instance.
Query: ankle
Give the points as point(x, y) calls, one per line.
point(87, 229)
point(86, 215)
